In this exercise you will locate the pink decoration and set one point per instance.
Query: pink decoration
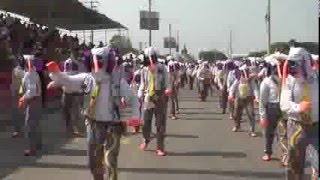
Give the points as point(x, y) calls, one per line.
point(167, 92)
point(134, 122)
point(264, 123)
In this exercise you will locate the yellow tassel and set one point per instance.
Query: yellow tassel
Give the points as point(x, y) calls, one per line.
point(96, 91)
point(294, 137)
point(21, 89)
point(306, 117)
point(152, 91)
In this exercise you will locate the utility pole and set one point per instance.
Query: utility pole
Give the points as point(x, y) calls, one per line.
point(93, 6)
point(268, 19)
point(149, 19)
point(170, 40)
point(230, 48)
point(105, 36)
point(84, 36)
point(178, 43)
point(140, 46)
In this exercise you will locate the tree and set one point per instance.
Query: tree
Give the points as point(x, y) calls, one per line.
point(187, 57)
point(120, 42)
point(257, 54)
point(123, 44)
point(311, 47)
point(212, 55)
point(279, 46)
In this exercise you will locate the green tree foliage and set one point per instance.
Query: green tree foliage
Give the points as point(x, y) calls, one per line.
point(312, 47)
point(187, 57)
point(279, 46)
point(212, 55)
point(123, 44)
point(120, 42)
point(257, 54)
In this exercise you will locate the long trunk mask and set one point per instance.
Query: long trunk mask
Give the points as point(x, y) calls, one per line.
point(285, 72)
point(29, 65)
point(96, 63)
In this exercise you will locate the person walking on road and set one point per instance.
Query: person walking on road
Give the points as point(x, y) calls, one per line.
point(153, 87)
point(191, 75)
point(173, 78)
point(243, 93)
point(222, 76)
point(299, 84)
point(269, 106)
point(30, 100)
point(105, 127)
point(204, 78)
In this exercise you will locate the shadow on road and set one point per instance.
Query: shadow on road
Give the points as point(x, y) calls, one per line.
point(235, 173)
point(200, 119)
point(153, 136)
point(213, 153)
point(196, 100)
point(201, 112)
point(181, 136)
point(186, 108)
point(12, 154)
point(70, 152)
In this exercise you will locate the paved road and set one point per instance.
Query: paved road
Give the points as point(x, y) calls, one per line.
point(200, 146)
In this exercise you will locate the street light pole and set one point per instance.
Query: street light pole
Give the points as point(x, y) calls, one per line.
point(150, 32)
point(178, 42)
point(105, 36)
point(269, 26)
point(230, 45)
point(170, 41)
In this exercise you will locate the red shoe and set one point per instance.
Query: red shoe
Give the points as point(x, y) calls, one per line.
point(143, 146)
point(161, 153)
point(266, 158)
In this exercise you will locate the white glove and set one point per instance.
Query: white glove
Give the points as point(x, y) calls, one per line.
point(140, 94)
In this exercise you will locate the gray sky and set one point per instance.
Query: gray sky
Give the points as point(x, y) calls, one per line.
point(204, 24)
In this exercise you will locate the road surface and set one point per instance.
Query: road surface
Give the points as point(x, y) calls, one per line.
point(200, 146)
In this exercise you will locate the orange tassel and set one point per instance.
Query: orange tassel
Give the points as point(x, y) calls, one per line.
point(152, 65)
point(279, 71)
point(95, 62)
point(285, 72)
point(29, 65)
